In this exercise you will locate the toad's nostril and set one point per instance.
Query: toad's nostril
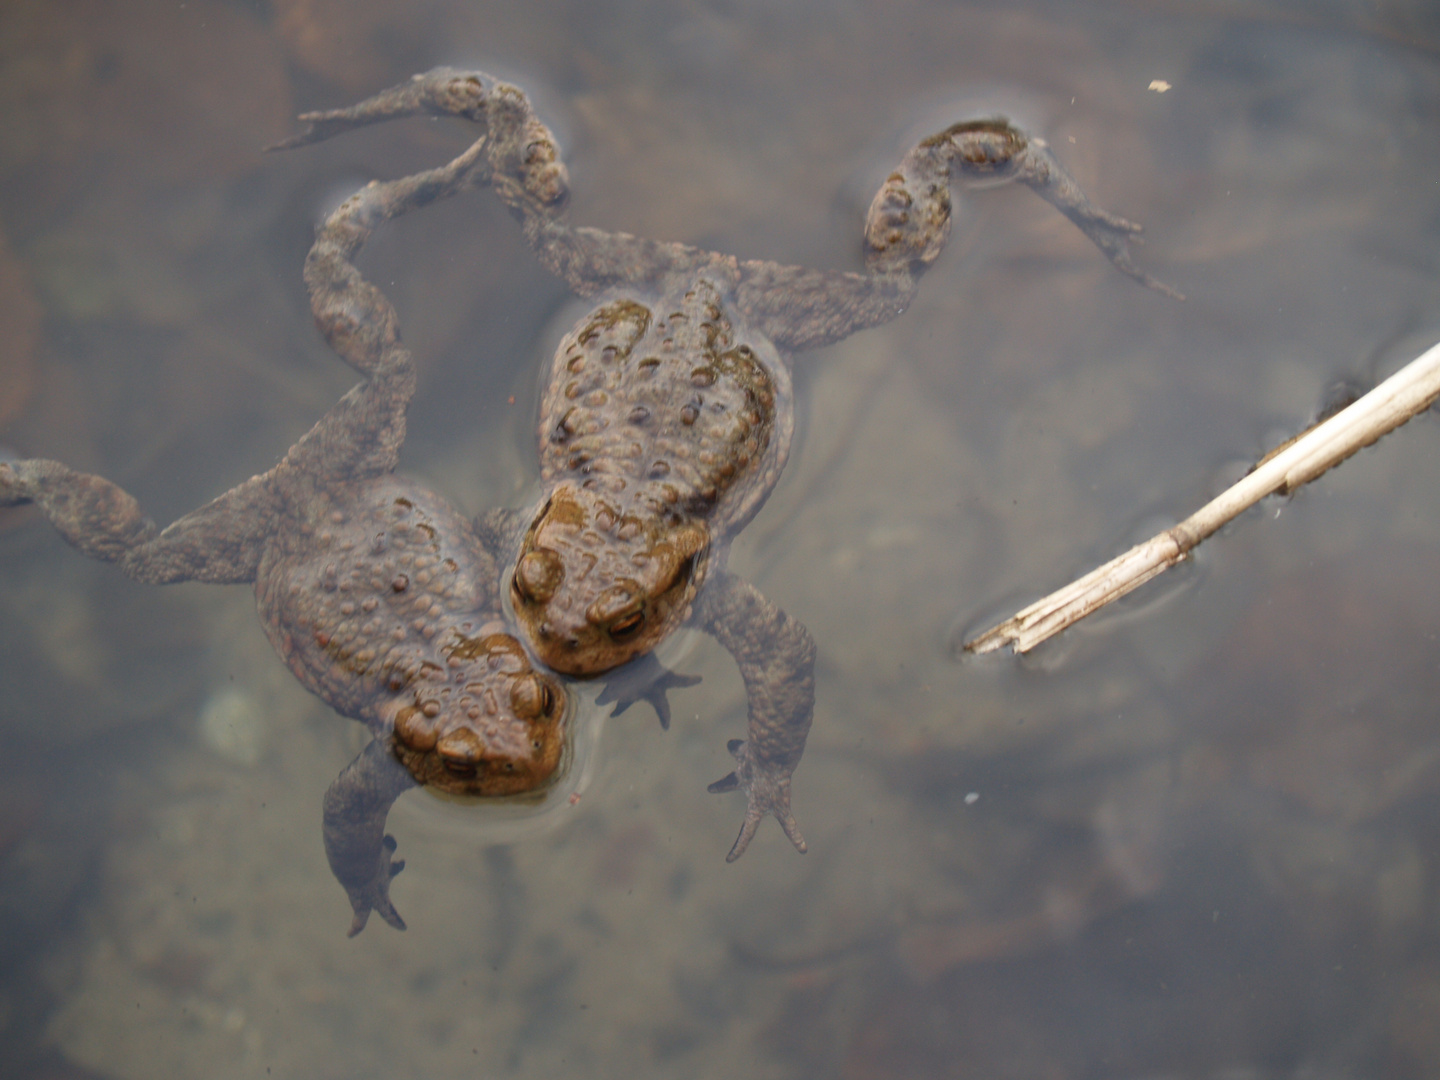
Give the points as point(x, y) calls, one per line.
point(529, 696)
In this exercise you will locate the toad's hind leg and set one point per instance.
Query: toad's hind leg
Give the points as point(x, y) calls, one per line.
point(517, 155)
point(520, 159)
point(363, 433)
point(906, 229)
point(219, 543)
point(909, 218)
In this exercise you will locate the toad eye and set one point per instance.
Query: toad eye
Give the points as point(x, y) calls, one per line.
point(531, 696)
point(628, 626)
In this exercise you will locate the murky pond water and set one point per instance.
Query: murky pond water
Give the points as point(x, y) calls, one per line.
point(1197, 839)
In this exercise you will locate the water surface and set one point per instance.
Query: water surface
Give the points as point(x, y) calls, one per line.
point(1194, 840)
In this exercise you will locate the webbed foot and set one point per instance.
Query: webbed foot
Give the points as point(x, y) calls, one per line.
point(374, 894)
point(1112, 235)
point(1036, 167)
point(768, 792)
point(643, 679)
point(441, 92)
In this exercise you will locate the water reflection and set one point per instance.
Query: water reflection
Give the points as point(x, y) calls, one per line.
point(1202, 844)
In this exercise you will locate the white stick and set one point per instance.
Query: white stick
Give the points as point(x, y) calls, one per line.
point(1409, 391)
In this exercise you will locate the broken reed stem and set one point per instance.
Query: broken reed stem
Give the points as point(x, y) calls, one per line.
point(1409, 391)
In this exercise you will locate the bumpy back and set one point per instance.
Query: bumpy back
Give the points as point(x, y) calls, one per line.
point(672, 410)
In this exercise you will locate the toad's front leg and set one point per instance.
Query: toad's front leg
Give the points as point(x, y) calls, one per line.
point(356, 843)
point(776, 657)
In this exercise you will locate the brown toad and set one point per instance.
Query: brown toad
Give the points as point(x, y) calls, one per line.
point(667, 416)
point(379, 595)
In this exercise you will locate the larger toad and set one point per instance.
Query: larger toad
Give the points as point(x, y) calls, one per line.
point(667, 416)
point(378, 594)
